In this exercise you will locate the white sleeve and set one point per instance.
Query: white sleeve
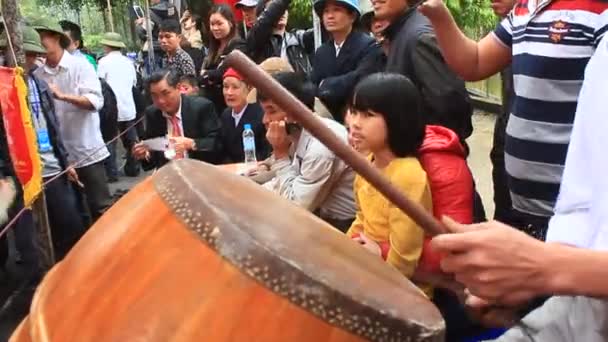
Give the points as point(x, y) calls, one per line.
point(584, 176)
point(89, 85)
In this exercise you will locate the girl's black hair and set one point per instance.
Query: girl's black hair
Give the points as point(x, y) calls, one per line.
point(396, 98)
point(214, 45)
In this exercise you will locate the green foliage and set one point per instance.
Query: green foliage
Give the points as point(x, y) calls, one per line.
point(300, 14)
point(475, 17)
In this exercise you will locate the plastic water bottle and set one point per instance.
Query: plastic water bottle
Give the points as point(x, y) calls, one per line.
point(249, 146)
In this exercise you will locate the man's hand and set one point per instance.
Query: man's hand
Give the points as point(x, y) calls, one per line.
point(495, 262)
point(182, 144)
point(278, 139)
point(502, 7)
point(73, 176)
point(56, 92)
point(435, 10)
point(140, 151)
point(490, 315)
point(139, 21)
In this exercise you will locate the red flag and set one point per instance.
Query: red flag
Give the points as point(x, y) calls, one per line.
point(20, 134)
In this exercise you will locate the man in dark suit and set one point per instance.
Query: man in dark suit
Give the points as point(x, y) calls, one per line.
point(347, 57)
point(190, 123)
point(238, 114)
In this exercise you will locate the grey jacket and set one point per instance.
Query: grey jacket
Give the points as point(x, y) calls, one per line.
point(563, 319)
point(315, 178)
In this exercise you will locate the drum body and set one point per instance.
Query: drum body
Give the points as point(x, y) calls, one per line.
point(194, 253)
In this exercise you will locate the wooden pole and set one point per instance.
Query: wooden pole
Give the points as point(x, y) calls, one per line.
point(43, 238)
point(110, 17)
point(10, 13)
point(15, 55)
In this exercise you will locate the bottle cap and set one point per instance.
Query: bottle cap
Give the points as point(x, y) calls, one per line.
point(247, 126)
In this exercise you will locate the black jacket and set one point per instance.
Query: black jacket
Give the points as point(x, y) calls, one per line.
point(232, 136)
point(158, 13)
point(336, 77)
point(263, 44)
point(199, 121)
point(108, 114)
point(211, 81)
point(414, 52)
point(52, 124)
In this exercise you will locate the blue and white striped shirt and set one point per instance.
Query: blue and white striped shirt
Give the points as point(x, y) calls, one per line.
point(552, 42)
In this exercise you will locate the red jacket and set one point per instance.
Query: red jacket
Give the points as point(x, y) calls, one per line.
point(444, 160)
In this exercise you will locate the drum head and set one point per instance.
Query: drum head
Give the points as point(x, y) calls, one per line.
point(296, 255)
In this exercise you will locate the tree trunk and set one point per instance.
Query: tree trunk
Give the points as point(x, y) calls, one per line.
point(11, 24)
point(134, 39)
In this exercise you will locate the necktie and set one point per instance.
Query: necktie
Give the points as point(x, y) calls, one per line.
point(176, 131)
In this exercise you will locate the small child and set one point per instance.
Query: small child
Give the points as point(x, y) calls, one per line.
point(385, 120)
point(188, 85)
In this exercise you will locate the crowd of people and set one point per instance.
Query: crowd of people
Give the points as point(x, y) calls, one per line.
point(391, 83)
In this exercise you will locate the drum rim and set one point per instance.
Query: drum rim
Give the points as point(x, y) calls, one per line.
point(281, 277)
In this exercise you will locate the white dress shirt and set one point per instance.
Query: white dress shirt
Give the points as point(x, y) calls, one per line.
point(237, 116)
point(178, 115)
point(338, 47)
point(79, 127)
point(581, 211)
point(119, 72)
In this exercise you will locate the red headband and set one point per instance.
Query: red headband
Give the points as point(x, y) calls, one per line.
point(233, 73)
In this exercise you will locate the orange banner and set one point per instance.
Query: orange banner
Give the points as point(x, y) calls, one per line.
point(20, 132)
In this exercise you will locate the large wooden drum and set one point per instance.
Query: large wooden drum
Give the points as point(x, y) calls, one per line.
point(198, 254)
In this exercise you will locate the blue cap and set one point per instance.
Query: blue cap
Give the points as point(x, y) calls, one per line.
point(247, 126)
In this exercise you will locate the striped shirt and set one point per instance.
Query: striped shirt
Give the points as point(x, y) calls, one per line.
point(551, 42)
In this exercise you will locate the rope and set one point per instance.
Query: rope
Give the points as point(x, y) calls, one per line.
point(14, 220)
point(8, 39)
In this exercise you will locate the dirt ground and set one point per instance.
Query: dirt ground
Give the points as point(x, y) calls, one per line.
point(479, 159)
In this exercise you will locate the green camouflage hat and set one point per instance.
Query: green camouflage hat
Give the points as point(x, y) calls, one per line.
point(47, 25)
point(113, 39)
point(31, 41)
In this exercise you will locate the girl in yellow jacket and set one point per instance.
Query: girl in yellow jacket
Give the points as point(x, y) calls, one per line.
point(385, 120)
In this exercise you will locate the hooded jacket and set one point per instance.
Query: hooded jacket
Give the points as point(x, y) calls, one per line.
point(444, 159)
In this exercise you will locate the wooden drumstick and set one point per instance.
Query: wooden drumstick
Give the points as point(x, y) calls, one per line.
point(266, 84)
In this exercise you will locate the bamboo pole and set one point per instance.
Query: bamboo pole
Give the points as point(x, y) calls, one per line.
point(110, 17)
point(14, 54)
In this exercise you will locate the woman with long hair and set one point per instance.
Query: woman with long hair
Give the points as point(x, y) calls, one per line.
point(223, 39)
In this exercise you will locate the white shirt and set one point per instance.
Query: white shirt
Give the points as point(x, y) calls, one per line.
point(79, 127)
point(338, 47)
point(581, 211)
point(237, 116)
point(178, 115)
point(119, 72)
